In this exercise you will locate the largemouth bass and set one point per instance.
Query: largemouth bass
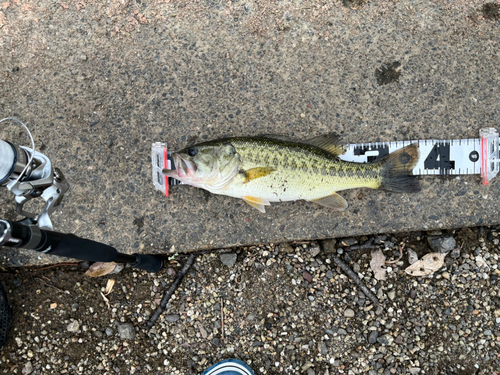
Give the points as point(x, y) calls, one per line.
point(267, 169)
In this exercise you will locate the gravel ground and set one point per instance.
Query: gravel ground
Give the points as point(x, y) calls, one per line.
point(281, 308)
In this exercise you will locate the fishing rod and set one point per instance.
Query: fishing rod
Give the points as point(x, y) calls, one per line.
point(28, 174)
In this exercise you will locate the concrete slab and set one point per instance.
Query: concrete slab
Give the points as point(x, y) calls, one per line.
point(97, 84)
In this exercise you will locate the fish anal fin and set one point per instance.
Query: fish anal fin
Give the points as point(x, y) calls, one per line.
point(254, 173)
point(329, 142)
point(257, 203)
point(334, 201)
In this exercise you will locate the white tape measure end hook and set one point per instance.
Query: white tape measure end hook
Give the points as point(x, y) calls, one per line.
point(490, 158)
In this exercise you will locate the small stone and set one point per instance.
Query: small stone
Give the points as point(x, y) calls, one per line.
point(228, 259)
point(442, 244)
point(329, 246)
point(412, 256)
point(323, 349)
point(455, 253)
point(349, 313)
point(315, 250)
point(307, 276)
point(84, 265)
point(414, 370)
point(372, 339)
point(286, 248)
point(109, 331)
point(172, 318)
point(170, 271)
point(329, 275)
point(310, 372)
point(386, 339)
point(307, 366)
point(126, 331)
point(349, 241)
point(73, 326)
point(27, 369)
point(391, 294)
point(389, 244)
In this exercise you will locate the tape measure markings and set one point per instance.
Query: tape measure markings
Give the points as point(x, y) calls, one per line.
point(437, 157)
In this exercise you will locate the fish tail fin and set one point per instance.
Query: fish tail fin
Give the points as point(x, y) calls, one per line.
point(396, 170)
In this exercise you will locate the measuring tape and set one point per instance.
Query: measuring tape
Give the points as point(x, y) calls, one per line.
point(437, 157)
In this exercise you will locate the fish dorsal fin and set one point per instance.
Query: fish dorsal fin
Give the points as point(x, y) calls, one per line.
point(329, 142)
point(257, 203)
point(334, 201)
point(258, 172)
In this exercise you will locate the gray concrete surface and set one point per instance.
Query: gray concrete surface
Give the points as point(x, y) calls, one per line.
point(98, 83)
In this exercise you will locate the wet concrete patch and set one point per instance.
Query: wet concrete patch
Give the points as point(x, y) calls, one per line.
point(388, 73)
point(491, 11)
point(354, 4)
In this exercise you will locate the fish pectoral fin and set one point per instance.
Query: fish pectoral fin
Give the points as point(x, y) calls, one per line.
point(329, 142)
point(334, 201)
point(254, 173)
point(257, 203)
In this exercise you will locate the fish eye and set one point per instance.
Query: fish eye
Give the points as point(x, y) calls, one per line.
point(192, 151)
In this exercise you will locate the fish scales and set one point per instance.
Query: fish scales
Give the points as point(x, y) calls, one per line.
point(292, 162)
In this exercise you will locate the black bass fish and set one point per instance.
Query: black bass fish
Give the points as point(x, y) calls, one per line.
point(266, 169)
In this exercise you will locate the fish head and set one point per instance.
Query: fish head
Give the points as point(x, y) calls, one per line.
point(206, 165)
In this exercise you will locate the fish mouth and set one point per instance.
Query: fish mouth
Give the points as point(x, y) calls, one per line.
point(184, 166)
